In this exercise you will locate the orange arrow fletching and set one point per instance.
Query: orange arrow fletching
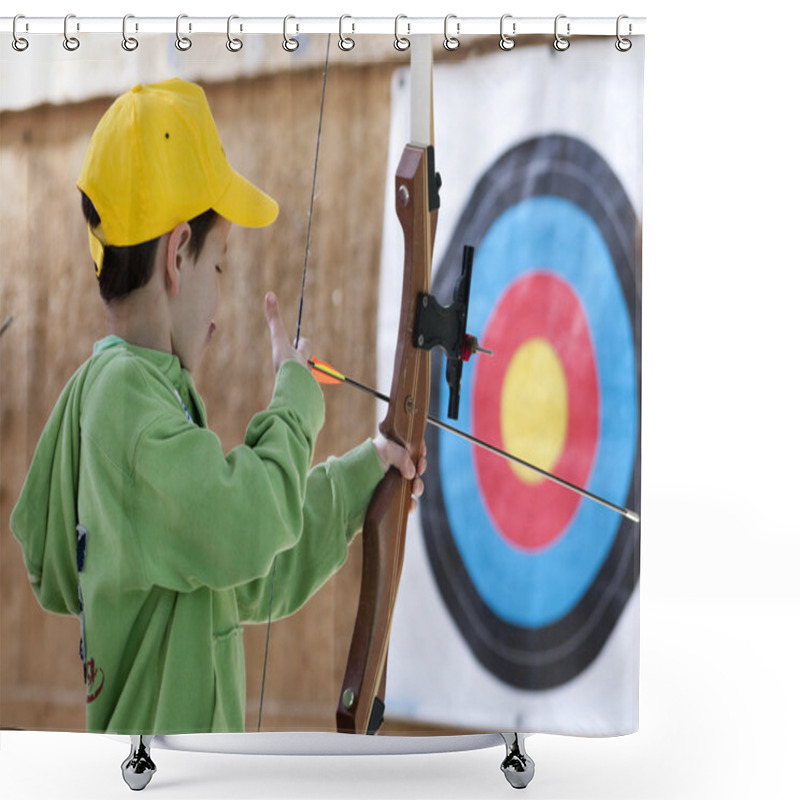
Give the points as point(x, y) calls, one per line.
point(325, 373)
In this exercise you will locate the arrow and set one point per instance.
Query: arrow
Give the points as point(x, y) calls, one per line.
point(329, 376)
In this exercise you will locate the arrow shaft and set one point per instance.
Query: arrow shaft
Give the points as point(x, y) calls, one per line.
point(625, 512)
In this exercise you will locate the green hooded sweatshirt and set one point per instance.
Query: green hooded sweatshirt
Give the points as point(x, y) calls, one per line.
point(180, 538)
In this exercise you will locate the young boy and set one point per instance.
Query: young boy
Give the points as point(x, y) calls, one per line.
point(131, 516)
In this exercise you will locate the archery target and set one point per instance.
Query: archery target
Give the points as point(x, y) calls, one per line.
point(534, 576)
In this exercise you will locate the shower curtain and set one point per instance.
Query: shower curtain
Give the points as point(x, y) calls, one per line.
point(518, 604)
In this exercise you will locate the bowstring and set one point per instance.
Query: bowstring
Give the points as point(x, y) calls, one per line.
point(296, 343)
point(313, 191)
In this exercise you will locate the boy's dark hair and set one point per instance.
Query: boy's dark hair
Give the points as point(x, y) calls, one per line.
point(129, 268)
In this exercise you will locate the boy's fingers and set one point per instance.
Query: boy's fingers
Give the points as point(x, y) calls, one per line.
point(273, 315)
point(282, 348)
point(277, 331)
point(403, 462)
point(304, 348)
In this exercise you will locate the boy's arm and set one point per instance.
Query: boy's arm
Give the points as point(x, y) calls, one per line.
point(337, 496)
point(202, 518)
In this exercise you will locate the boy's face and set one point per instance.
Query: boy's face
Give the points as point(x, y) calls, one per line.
point(193, 320)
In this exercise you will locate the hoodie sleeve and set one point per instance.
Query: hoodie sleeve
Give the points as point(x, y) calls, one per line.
point(203, 518)
point(337, 497)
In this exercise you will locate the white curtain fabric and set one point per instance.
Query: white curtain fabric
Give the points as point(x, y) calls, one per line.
point(519, 603)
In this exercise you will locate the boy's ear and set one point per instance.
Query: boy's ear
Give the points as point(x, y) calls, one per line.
point(176, 255)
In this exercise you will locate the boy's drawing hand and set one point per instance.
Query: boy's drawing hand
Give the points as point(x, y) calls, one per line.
point(392, 454)
point(282, 348)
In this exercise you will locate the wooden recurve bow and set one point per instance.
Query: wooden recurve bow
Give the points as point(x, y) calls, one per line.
point(360, 708)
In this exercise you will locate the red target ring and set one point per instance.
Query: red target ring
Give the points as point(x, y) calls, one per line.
point(543, 351)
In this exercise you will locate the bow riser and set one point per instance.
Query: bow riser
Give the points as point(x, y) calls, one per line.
point(408, 407)
point(384, 530)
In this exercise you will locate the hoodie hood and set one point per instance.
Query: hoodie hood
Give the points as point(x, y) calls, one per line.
point(45, 518)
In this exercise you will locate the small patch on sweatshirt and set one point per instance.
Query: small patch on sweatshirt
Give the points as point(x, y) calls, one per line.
point(95, 678)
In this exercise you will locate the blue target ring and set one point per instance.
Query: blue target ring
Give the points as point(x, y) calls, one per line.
point(538, 617)
point(535, 589)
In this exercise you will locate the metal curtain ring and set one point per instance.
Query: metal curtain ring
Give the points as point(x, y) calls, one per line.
point(623, 45)
point(451, 42)
point(233, 44)
point(401, 42)
point(290, 44)
point(345, 42)
point(560, 43)
point(183, 43)
point(128, 42)
point(70, 43)
point(18, 42)
point(507, 42)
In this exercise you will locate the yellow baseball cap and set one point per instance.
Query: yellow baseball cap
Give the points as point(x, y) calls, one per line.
point(155, 160)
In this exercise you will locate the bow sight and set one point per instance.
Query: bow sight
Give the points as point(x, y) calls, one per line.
point(446, 327)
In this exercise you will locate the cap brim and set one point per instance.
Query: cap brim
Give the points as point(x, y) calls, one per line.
point(245, 204)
